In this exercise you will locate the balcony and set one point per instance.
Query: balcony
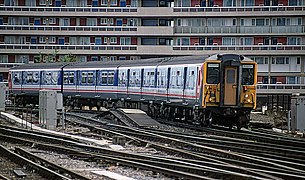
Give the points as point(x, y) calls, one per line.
point(154, 11)
point(155, 49)
point(4, 67)
point(68, 11)
point(66, 49)
point(68, 30)
point(88, 30)
point(241, 11)
point(246, 30)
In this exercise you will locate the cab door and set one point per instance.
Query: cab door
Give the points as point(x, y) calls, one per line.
point(230, 86)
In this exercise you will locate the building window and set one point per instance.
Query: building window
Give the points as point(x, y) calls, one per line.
point(132, 22)
point(125, 40)
point(103, 58)
point(113, 2)
point(295, 3)
point(298, 60)
point(122, 57)
point(229, 3)
point(280, 60)
point(43, 2)
point(293, 41)
point(52, 39)
point(91, 21)
point(228, 41)
point(113, 40)
point(104, 21)
point(104, 2)
point(42, 39)
point(112, 58)
point(247, 2)
point(22, 59)
point(30, 3)
point(64, 22)
point(246, 41)
point(260, 60)
point(94, 58)
point(3, 58)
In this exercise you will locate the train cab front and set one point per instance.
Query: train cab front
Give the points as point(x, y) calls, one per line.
point(232, 95)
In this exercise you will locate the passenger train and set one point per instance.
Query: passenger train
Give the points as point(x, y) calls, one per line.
point(218, 89)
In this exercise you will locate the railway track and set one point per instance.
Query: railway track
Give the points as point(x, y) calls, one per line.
point(156, 164)
point(230, 153)
point(273, 165)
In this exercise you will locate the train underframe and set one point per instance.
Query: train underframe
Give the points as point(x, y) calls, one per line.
point(229, 117)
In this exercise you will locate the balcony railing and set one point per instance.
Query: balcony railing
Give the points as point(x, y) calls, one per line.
point(240, 48)
point(66, 28)
point(240, 29)
point(222, 48)
point(67, 47)
point(178, 29)
point(9, 65)
point(239, 9)
point(280, 88)
point(134, 9)
point(68, 9)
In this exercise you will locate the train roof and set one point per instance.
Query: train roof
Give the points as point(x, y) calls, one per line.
point(140, 62)
point(41, 66)
point(135, 63)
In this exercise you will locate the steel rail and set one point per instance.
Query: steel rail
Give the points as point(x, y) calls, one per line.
point(49, 164)
point(102, 150)
point(44, 172)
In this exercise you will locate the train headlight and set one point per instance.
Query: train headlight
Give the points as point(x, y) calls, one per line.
point(246, 95)
point(249, 100)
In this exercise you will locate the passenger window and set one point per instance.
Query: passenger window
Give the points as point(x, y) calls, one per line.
point(16, 78)
point(90, 78)
point(84, 77)
point(110, 78)
point(104, 78)
point(71, 78)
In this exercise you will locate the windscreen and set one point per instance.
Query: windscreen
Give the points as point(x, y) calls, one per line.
point(213, 73)
point(247, 74)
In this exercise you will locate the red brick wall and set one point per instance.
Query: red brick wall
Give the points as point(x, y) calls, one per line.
point(194, 40)
point(73, 21)
point(284, 2)
point(282, 40)
point(258, 40)
point(21, 2)
point(258, 2)
point(83, 21)
point(281, 79)
point(218, 2)
point(11, 58)
point(195, 2)
point(134, 41)
point(217, 40)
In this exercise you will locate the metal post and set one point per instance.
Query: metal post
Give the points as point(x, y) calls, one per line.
point(32, 118)
point(26, 117)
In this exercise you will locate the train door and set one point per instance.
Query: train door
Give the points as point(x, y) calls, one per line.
point(168, 83)
point(230, 86)
point(142, 83)
point(185, 75)
point(77, 81)
point(127, 85)
point(96, 83)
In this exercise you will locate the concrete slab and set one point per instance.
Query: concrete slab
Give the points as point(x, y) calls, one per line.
point(116, 147)
point(112, 175)
point(27, 124)
point(140, 118)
